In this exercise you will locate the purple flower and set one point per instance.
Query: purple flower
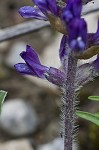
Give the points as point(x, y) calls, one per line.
point(77, 34)
point(32, 12)
point(45, 10)
point(32, 66)
point(47, 6)
point(76, 40)
point(77, 28)
point(41, 10)
point(72, 10)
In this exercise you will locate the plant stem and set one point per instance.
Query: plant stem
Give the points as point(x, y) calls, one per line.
point(22, 29)
point(69, 101)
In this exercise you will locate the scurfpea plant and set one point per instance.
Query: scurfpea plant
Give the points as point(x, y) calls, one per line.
point(76, 44)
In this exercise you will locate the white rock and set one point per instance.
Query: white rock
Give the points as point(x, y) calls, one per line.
point(14, 54)
point(18, 118)
point(16, 145)
point(56, 144)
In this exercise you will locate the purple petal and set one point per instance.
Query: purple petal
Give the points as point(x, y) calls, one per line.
point(64, 48)
point(32, 12)
point(52, 6)
point(77, 7)
point(31, 54)
point(78, 34)
point(32, 60)
point(39, 70)
point(47, 6)
point(23, 69)
point(72, 10)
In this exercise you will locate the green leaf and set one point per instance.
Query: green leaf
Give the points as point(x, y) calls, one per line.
point(93, 98)
point(97, 114)
point(2, 98)
point(88, 116)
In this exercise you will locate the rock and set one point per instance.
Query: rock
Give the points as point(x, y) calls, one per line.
point(16, 145)
point(56, 144)
point(18, 118)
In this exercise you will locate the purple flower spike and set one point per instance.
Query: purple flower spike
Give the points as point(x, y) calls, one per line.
point(47, 6)
point(72, 10)
point(77, 34)
point(64, 48)
point(32, 12)
point(33, 65)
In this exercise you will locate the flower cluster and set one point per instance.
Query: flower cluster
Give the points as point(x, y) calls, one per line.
point(64, 19)
point(67, 20)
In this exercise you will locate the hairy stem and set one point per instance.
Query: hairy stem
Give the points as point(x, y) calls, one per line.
point(69, 101)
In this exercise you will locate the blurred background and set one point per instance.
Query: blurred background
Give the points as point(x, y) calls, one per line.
point(30, 115)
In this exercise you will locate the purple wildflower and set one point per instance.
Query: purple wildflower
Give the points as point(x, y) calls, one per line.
point(77, 34)
point(41, 10)
point(45, 10)
point(72, 10)
point(47, 6)
point(77, 28)
point(32, 12)
point(32, 66)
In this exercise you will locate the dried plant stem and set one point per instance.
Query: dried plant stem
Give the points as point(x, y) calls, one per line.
point(22, 29)
point(69, 98)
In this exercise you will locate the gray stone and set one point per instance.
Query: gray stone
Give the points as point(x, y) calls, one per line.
point(56, 144)
point(23, 144)
point(18, 118)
